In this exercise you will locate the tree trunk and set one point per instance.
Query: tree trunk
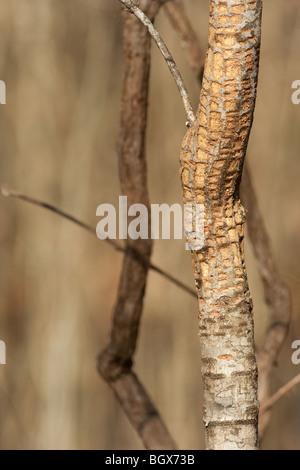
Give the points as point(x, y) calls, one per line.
point(212, 157)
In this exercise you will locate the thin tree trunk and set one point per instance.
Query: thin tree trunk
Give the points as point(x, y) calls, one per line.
point(212, 156)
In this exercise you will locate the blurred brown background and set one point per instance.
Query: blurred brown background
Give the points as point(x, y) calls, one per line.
point(62, 64)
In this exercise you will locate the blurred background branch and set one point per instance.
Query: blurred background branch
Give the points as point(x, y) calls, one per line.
point(133, 8)
point(277, 295)
point(133, 252)
point(115, 361)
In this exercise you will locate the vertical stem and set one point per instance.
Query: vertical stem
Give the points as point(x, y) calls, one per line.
point(212, 157)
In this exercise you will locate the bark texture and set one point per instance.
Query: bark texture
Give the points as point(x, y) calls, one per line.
point(212, 157)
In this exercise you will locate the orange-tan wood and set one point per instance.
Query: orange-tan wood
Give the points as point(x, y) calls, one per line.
point(212, 156)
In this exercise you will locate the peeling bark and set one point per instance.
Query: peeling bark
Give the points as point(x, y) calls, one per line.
point(212, 157)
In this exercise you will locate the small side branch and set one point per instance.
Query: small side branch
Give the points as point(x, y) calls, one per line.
point(7, 192)
point(279, 394)
point(167, 56)
point(114, 244)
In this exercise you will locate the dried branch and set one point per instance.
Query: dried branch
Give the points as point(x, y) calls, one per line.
point(115, 362)
point(212, 156)
point(279, 394)
point(167, 56)
point(134, 253)
point(276, 294)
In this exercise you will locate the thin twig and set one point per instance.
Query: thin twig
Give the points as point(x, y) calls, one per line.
point(12, 193)
point(280, 393)
point(167, 56)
